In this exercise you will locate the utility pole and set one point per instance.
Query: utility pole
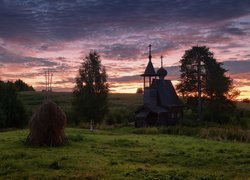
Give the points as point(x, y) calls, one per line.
point(199, 90)
point(48, 83)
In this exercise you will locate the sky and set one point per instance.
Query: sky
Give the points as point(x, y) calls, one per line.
point(36, 35)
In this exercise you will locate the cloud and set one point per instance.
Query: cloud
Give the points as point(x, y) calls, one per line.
point(7, 57)
point(42, 34)
point(233, 67)
point(121, 52)
point(241, 79)
point(56, 82)
point(239, 69)
point(44, 47)
point(234, 31)
point(236, 67)
point(69, 20)
point(134, 78)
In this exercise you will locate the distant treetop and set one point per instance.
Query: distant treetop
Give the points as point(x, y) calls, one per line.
point(20, 85)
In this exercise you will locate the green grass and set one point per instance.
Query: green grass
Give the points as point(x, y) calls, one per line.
point(120, 103)
point(124, 104)
point(120, 154)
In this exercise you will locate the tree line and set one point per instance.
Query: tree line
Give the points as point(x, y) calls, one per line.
point(12, 110)
point(90, 102)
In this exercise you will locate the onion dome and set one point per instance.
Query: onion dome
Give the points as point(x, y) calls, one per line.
point(162, 72)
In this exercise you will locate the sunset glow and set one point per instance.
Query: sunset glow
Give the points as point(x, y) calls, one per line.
point(40, 35)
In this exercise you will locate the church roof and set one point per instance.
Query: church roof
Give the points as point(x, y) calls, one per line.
point(166, 93)
point(149, 71)
point(156, 109)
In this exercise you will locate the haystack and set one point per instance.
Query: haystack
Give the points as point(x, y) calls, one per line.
point(47, 125)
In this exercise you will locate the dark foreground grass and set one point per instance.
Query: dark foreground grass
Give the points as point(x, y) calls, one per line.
point(119, 154)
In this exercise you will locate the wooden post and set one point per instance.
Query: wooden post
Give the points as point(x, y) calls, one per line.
point(91, 127)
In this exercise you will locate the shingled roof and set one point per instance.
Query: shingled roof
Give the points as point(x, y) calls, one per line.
point(166, 93)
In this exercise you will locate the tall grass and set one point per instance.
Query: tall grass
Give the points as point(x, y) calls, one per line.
point(121, 106)
point(214, 133)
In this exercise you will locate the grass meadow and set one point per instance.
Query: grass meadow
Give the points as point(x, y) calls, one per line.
point(121, 106)
point(124, 152)
point(121, 154)
point(118, 103)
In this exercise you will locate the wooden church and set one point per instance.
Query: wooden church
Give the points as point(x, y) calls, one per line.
point(161, 104)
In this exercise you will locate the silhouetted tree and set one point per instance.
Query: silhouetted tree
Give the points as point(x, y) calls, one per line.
point(139, 91)
point(217, 89)
point(12, 113)
point(22, 86)
point(91, 90)
point(246, 100)
point(2, 118)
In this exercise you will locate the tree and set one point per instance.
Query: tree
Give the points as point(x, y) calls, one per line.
point(12, 111)
point(246, 100)
point(217, 89)
point(139, 91)
point(91, 90)
point(22, 86)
